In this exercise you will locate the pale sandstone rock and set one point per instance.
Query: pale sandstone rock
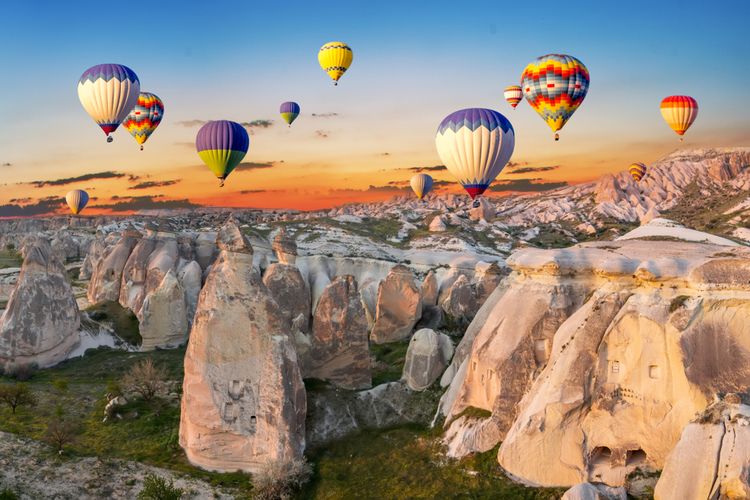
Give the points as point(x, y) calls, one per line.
point(291, 292)
point(190, 277)
point(437, 225)
point(40, 323)
point(285, 247)
point(205, 249)
point(164, 323)
point(460, 303)
point(93, 256)
point(483, 211)
point(107, 277)
point(487, 277)
point(430, 290)
point(244, 401)
point(340, 348)
point(399, 306)
point(426, 357)
point(588, 491)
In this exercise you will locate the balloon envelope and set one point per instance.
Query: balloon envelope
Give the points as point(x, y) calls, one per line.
point(679, 111)
point(421, 184)
point(637, 171)
point(335, 58)
point(513, 94)
point(108, 92)
point(144, 117)
point(555, 86)
point(77, 200)
point(222, 145)
point(475, 144)
point(289, 111)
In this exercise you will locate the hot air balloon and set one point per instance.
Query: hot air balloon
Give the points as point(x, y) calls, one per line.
point(144, 117)
point(335, 58)
point(555, 85)
point(108, 92)
point(637, 171)
point(222, 145)
point(475, 144)
point(289, 111)
point(513, 94)
point(77, 200)
point(421, 184)
point(679, 111)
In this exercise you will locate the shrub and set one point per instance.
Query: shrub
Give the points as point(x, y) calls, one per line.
point(145, 379)
point(15, 395)
point(60, 433)
point(60, 384)
point(8, 494)
point(21, 373)
point(279, 480)
point(157, 488)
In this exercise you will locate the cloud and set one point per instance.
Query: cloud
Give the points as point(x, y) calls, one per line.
point(20, 200)
point(323, 134)
point(7, 164)
point(153, 184)
point(192, 123)
point(253, 124)
point(527, 170)
point(72, 180)
point(385, 154)
point(253, 191)
point(512, 164)
point(133, 178)
point(41, 207)
point(436, 168)
point(324, 115)
point(136, 203)
point(254, 165)
point(526, 186)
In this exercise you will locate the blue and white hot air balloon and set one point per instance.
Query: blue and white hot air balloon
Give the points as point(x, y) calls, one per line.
point(475, 144)
point(77, 200)
point(108, 92)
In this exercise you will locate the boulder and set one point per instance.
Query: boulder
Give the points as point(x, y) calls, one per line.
point(589, 491)
point(41, 320)
point(399, 306)
point(437, 225)
point(460, 302)
point(340, 349)
point(205, 249)
point(291, 292)
point(164, 313)
point(487, 277)
point(243, 403)
point(430, 290)
point(426, 358)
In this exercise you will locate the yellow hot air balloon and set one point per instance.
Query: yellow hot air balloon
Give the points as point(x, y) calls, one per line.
point(335, 58)
point(421, 184)
point(637, 171)
point(679, 111)
point(77, 200)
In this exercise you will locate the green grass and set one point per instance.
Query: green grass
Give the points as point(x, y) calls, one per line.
point(407, 462)
point(123, 320)
point(10, 258)
point(390, 359)
point(706, 213)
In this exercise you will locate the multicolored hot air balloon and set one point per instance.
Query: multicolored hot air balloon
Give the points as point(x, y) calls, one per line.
point(222, 145)
point(555, 85)
point(144, 117)
point(637, 171)
point(513, 94)
point(679, 111)
point(289, 111)
point(335, 58)
point(108, 92)
point(421, 184)
point(77, 200)
point(475, 144)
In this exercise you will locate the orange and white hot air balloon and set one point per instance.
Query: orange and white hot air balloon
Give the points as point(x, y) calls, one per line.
point(679, 111)
point(513, 94)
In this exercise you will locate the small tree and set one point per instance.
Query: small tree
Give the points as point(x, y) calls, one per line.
point(15, 395)
point(279, 480)
point(157, 488)
point(59, 433)
point(144, 378)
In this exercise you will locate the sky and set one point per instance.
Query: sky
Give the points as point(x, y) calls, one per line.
point(414, 63)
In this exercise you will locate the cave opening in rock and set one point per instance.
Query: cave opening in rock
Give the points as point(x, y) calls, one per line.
point(601, 455)
point(635, 457)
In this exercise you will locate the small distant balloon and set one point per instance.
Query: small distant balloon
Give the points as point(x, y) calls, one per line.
point(637, 171)
point(421, 184)
point(679, 111)
point(144, 117)
point(77, 200)
point(335, 58)
point(513, 94)
point(555, 85)
point(108, 92)
point(289, 111)
point(475, 144)
point(222, 145)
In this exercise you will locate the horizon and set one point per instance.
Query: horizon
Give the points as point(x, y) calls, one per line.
point(362, 140)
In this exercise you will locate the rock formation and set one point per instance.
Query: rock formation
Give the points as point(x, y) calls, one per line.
point(460, 302)
point(437, 225)
point(483, 211)
point(429, 290)
point(426, 358)
point(205, 249)
point(107, 276)
point(40, 323)
point(244, 403)
point(164, 315)
point(291, 292)
point(190, 277)
point(399, 306)
point(340, 349)
point(285, 248)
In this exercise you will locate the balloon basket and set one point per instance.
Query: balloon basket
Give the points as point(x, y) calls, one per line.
point(109, 138)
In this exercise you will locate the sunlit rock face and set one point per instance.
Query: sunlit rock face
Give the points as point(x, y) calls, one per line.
point(106, 278)
point(164, 323)
point(40, 323)
point(597, 356)
point(399, 306)
point(244, 402)
point(291, 292)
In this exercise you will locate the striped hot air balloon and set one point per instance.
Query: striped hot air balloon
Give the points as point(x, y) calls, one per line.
point(144, 117)
point(222, 145)
point(679, 111)
point(637, 171)
point(475, 144)
point(555, 85)
point(513, 94)
point(289, 111)
point(77, 200)
point(421, 184)
point(108, 92)
point(335, 58)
